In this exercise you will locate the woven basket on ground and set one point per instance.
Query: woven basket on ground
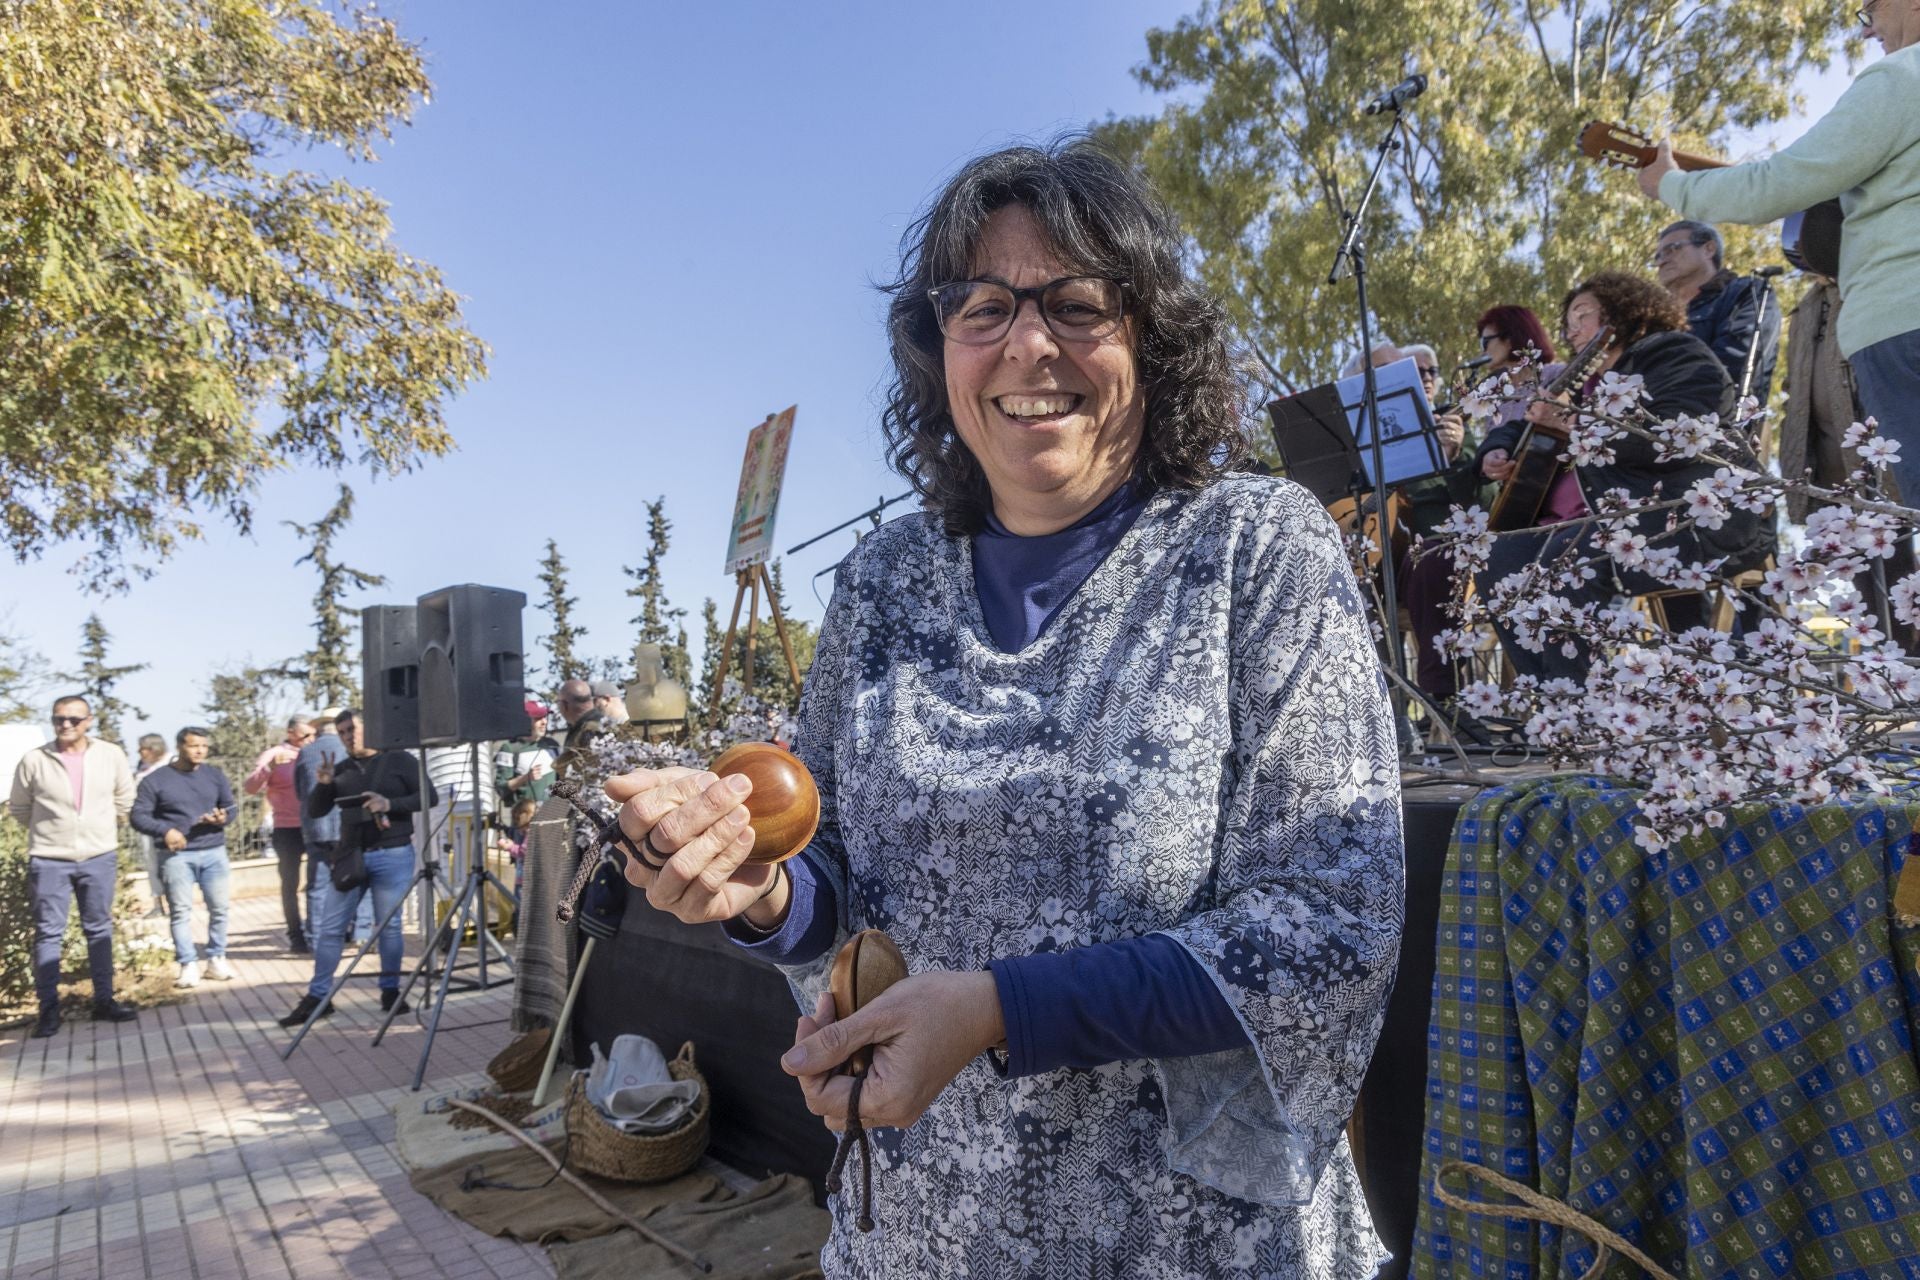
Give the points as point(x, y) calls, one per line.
point(598, 1147)
point(516, 1068)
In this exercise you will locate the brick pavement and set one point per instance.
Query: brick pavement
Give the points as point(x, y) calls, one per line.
point(181, 1146)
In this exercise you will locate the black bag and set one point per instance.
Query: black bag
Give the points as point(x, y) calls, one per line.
point(348, 870)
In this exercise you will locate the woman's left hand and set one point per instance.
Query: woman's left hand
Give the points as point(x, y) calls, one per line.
point(924, 1029)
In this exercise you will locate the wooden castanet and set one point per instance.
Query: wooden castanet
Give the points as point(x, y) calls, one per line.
point(868, 964)
point(784, 803)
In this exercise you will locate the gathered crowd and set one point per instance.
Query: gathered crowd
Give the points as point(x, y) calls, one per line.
point(351, 825)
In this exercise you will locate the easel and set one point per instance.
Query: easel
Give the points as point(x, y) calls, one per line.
point(747, 581)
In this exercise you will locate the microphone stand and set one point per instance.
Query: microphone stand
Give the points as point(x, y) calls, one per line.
point(1353, 251)
point(1765, 277)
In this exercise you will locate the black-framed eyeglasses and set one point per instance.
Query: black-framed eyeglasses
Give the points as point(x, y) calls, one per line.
point(1074, 308)
point(1428, 370)
point(61, 722)
point(1488, 339)
point(1865, 15)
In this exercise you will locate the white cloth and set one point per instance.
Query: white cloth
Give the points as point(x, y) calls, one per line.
point(633, 1089)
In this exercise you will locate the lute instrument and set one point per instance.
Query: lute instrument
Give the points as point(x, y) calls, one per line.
point(1541, 451)
point(1809, 239)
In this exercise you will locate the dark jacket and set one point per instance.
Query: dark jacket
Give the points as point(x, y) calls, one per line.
point(588, 727)
point(1724, 314)
point(1682, 375)
point(170, 799)
point(1431, 501)
point(393, 774)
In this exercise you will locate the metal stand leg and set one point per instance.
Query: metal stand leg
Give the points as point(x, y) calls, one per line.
point(340, 978)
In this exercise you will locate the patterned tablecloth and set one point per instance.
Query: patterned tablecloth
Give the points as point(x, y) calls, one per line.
point(1709, 1050)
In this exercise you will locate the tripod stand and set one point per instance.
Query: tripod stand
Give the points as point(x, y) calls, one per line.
point(451, 931)
point(471, 902)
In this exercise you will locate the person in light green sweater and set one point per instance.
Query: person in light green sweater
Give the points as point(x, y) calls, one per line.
point(1866, 151)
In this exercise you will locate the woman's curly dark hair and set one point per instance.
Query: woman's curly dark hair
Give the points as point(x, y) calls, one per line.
point(1099, 218)
point(1634, 305)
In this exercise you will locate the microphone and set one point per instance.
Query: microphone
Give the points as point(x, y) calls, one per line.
point(1768, 273)
point(1476, 363)
point(1398, 96)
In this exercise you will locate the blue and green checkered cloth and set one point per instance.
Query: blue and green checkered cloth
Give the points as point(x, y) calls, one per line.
point(1710, 1050)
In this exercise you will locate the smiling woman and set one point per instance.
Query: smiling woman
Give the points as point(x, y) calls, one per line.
point(1102, 745)
point(1073, 222)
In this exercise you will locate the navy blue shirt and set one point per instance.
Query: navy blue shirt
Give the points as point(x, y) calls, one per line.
point(1133, 998)
point(172, 800)
point(1024, 581)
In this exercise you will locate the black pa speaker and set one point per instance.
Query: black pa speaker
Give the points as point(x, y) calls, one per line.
point(472, 668)
point(390, 676)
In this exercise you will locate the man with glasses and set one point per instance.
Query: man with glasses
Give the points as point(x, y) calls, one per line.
point(1732, 314)
point(273, 773)
point(1426, 585)
point(1866, 152)
point(70, 795)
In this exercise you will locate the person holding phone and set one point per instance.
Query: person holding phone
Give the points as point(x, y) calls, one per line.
point(185, 808)
point(376, 794)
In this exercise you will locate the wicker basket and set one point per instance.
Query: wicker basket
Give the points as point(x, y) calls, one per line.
point(598, 1147)
point(516, 1068)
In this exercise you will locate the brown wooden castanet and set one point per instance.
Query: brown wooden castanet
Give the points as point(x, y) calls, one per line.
point(784, 803)
point(868, 964)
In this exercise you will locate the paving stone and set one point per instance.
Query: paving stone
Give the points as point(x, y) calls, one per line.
point(181, 1145)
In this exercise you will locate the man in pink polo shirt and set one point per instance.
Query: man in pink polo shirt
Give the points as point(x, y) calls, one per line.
point(273, 773)
point(71, 795)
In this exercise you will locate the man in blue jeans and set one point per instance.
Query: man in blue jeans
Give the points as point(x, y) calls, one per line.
point(70, 795)
point(376, 794)
point(185, 807)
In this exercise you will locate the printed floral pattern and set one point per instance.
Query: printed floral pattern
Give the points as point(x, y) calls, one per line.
point(1199, 745)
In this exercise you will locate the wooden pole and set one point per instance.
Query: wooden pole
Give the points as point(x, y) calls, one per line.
point(726, 648)
point(753, 625)
point(600, 1202)
point(780, 627)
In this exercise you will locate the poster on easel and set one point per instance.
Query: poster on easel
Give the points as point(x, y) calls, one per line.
point(761, 471)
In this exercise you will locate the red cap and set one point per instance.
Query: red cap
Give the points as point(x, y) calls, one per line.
point(535, 709)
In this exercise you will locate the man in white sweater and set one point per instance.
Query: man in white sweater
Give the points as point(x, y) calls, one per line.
point(70, 795)
point(1866, 151)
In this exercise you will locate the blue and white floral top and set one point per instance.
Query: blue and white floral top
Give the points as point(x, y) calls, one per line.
point(1199, 745)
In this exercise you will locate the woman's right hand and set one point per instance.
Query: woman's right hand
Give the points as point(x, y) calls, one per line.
point(699, 824)
point(1496, 464)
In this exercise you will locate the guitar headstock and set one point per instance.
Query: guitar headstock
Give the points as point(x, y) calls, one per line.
point(1582, 363)
point(1616, 144)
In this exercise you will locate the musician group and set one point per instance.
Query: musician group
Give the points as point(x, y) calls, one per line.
point(1703, 339)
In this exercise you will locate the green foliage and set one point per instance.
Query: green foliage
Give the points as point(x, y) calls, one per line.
point(564, 660)
point(96, 678)
point(240, 711)
point(331, 663)
point(23, 678)
point(656, 619)
point(1487, 201)
point(167, 275)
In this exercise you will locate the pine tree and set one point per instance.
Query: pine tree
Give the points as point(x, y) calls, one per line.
point(23, 673)
point(656, 617)
point(564, 661)
point(701, 696)
point(96, 678)
point(331, 662)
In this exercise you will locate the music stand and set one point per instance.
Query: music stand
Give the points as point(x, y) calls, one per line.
point(1325, 444)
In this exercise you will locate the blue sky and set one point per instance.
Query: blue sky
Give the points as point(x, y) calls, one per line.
point(667, 222)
